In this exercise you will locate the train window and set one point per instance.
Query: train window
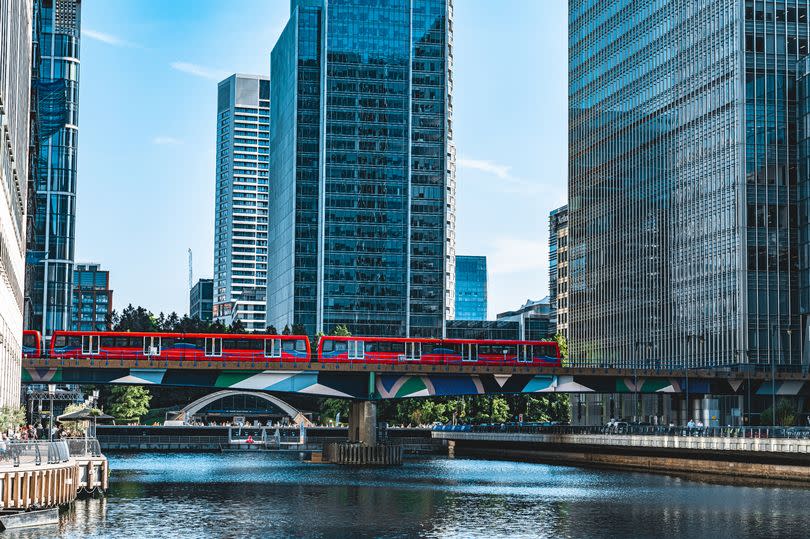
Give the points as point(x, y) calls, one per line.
point(59, 341)
point(107, 342)
point(413, 351)
point(356, 350)
point(213, 346)
point(341, 346)
point(29, 340)
point(300, 345)
point(121, 342)
point(90, 344)
point(272, 347)
point(74, 341)
point(256, 344)
point(328, 346)
point(151, 346)
point(288, 346)
point(228, 344)
point(168, 342)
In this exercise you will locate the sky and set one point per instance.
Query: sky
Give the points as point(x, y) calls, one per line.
point(149, 74)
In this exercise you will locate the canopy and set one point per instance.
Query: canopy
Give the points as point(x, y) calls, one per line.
point(83, 414)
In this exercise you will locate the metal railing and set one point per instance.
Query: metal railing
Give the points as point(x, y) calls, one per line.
point(621, 428)
point(14, 454)
point(83, 447)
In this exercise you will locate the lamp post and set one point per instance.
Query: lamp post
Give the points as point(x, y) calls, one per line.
point(51, 391)
point(646, 345)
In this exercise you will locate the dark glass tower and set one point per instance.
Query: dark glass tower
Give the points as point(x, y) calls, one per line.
point(471, 287)
point(683, 181)
point(51, 252)
point(362, 206)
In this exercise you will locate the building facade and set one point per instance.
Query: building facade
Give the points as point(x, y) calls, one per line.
point(558, 271)
point(362, 213)
point(50, 253)
point(15, 92)
point(201, 300)
point(471, 287)
point(92, 299)
point(242, 181)
point(683, 197)
point(533, 319)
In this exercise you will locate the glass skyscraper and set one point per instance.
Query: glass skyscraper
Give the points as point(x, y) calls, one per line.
point(362, 213)
point(471, 287)
point(92, 299)
point(558, 271)
point(683, 181)
point(242, 180)
point(51, 250)
point(15, 92)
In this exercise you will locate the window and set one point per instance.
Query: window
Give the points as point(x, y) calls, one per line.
point(272, 347)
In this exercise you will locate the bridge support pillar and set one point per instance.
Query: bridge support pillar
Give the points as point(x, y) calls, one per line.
point(363, 422)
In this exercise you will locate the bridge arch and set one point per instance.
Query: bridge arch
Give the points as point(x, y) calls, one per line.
point(192, 408)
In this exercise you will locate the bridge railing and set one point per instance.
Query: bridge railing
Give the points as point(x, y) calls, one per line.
point(14, 454)
point(798, 433)
point(83, 447)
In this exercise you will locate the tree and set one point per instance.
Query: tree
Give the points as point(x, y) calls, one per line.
point(785, 414)
point(331, 407)
point(286, 330)
point(11, 417)
point(237, 327)
point(341, 331)
point(129, 403)
point(135, 319)
point(271, 329)
point(562, 343)
point(299, 329)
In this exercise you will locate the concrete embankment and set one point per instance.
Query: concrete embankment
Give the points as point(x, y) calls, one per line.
point(211, 438)
point(780, 460)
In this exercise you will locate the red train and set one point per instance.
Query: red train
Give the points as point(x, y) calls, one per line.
point(292, 348)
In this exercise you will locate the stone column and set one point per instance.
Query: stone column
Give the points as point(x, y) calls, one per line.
point(363, 422)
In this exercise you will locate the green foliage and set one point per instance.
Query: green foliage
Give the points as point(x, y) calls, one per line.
point(299, 329)
point(286, 330)
point(331, 407)
point(11, 417)
point(271, 330)
point(562, 342)
point(786, 413)
point(129, 403)
point(141, 319)
point(237, 327)
point(341, 331)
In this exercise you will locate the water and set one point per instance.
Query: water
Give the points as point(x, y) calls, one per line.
point(264, 495)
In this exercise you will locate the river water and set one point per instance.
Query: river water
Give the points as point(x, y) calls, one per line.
point(176, 496)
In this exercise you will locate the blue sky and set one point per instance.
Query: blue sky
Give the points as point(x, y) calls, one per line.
point(149, 72)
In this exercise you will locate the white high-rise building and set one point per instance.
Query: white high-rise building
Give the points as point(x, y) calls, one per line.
point(242, 176)
point(15, 93)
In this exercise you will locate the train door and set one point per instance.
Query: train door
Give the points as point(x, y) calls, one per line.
point(469, 352)
point(413, 351)
point(272, 348)
point(151, 346)
point(213, 347)
point(357, 350)
point(90, 344)
point(524, 353)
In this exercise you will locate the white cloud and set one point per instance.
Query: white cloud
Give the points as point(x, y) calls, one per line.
point(109, 39)
point(199, 71)
point(515, 255)
point(509, 183)
point(164, 140)
point(501, 171)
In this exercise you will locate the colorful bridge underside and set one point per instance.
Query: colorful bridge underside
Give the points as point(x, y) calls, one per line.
point(365, 385)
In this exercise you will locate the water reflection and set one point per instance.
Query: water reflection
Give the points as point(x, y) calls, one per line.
point(233, 495)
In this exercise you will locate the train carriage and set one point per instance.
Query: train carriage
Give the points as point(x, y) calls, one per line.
point(389, 350)
point(179, 346)
point(31, 344)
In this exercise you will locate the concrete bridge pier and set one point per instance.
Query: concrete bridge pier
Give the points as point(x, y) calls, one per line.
point(363, 422)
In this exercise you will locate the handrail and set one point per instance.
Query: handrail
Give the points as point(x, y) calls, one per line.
point(622, 428)
point(16, 453)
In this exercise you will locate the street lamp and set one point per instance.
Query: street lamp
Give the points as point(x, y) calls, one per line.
point(700, 339)
point(51, 391)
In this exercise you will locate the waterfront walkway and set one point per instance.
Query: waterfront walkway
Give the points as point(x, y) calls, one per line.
point(49, 474)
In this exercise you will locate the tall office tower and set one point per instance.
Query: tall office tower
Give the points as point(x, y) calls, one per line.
point(201, 300)
point(15, 92)
point(363, 205)
point(558, 271)
point(683, 181)
point(92, 299)
point(50, 252)
point(471, 287)
point(242, 178)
